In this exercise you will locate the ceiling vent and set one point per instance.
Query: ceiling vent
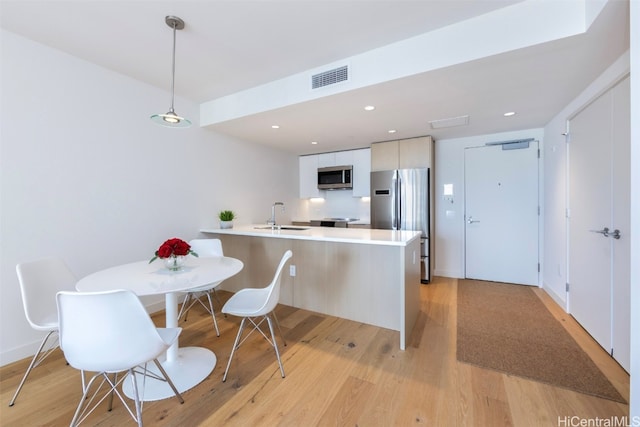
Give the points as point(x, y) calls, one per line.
point(337, 75)
point(450, 122)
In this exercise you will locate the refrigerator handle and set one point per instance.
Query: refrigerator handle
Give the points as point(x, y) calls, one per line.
point(397, 201)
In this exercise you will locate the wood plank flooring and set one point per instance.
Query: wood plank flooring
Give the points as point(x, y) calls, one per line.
point(338, 373)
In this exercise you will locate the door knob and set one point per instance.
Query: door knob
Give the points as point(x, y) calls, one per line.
point(616, 234)
point(471, 220)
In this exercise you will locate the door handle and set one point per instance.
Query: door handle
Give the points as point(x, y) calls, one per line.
point(604, 231)
point(471, 220)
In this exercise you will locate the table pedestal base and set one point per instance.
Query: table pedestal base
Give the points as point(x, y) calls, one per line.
point(192, 365)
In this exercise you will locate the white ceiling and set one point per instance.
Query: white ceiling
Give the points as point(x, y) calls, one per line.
point(231, 46)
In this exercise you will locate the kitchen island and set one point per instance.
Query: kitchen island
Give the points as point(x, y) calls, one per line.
point(365, 275)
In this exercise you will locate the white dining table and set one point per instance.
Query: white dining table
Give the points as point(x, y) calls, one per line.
point(186, 366)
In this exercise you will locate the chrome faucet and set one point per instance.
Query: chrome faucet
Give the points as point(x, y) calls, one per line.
point(272, 220)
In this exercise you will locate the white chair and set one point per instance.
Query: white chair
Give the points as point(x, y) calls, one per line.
point(204, 248)
point(39, 282)
point(108, 333)
point(252, 303)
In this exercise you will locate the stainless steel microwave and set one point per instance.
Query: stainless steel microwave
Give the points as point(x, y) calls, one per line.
point(335, 178)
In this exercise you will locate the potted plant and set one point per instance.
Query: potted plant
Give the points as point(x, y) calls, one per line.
point(226, 219)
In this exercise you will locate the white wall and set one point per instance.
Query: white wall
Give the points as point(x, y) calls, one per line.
point(449, 217)
point(634, 404)
point(554, 275)
point(86, 175)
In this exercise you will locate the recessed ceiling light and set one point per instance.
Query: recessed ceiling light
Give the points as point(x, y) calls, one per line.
point(275, 127)
point(369, 108)
point(314, 142)
point(392, 131)
point(510, 113)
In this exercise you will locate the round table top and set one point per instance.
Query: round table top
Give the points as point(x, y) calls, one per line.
point(144, 278)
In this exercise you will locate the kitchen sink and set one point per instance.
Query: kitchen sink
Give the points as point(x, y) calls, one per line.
point(281, 227)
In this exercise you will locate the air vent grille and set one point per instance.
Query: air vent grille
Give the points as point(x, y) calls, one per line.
point(330, 77)
point(449, 122)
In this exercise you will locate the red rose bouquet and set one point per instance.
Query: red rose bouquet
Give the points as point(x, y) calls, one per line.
point(173, 248)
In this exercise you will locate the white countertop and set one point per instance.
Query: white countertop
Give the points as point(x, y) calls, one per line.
point(328, 234)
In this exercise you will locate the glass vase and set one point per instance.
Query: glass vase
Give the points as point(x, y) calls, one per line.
point(174, 263)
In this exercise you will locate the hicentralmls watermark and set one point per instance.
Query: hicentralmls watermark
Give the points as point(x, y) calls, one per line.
point(576, 421)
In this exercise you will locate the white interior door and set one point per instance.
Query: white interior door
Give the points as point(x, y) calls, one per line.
point(589, 257)
point(599, 198)
point(621, 172)
point(501, 213)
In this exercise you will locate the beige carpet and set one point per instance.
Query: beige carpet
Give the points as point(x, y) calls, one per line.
point(507, 328)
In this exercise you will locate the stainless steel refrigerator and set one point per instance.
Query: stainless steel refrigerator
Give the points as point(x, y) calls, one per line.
point(400, 201)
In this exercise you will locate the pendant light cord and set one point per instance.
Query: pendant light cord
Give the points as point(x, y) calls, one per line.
point(173, 66)
point(171, 119)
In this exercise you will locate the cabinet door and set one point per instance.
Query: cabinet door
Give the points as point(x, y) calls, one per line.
point(344, 158)
point(308, 166)
point(384, 156)
point(361, 173)
point(326, 160)
point(415, 153)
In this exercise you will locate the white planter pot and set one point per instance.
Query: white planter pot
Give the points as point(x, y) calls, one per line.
point(226, 224)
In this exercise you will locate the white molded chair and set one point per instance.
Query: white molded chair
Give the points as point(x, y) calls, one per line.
point(108, 333)
point(252, 303)
point(204, 248)
point(39, 282)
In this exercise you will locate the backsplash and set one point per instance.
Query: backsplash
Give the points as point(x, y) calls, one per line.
point(336, 204)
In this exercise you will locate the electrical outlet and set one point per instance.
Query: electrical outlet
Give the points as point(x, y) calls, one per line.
point(292, 270)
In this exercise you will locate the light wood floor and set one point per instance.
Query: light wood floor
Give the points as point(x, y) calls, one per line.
point(338, 373)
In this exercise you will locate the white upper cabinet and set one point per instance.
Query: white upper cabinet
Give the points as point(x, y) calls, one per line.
point(361, 172)
point(326, 160)
point(309, 176)
point(360, 159)
point(337, 158)
point(344, 158)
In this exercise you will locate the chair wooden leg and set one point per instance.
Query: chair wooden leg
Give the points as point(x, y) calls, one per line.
point(235, 346)
point(275, 344)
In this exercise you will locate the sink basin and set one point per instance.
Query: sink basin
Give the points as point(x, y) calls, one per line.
point(281, 227)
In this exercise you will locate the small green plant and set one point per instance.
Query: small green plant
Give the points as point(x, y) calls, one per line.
point(226, 215)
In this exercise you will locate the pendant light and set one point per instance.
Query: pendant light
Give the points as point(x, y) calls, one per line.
point(171, 119)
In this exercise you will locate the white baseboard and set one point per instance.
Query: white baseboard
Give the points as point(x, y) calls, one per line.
point(559, 300)
point(449, 273)
point(22, 352)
